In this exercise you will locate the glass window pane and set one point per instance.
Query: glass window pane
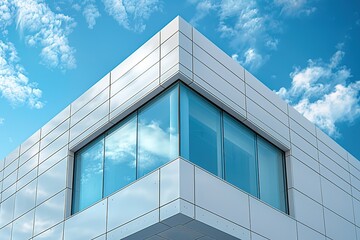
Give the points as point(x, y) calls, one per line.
point(88, 179)
point(158, 136)
point(120, 156)
point(200, 131)
point(271, 174)
point(240, 155)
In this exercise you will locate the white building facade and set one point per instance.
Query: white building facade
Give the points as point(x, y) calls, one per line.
point(179, 142)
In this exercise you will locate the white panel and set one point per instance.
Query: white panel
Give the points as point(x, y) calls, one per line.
point(134, 87)
point(177, 24)
point(90, 106)
point(223, 87)
point(218, 54)
point(91, 133)
point(332, 177)
point(186, 210)
point(218, 68)
point(7, 211)
point(354, 171)
point(323, 137)
point(221, 224)
point(355, 193)
point(23, 227)
point(306, 233)
point(26, 179)
point(221, 196)
point(213, 90)
point(268, 119)
point(133, 201)
point(333, 155)
point(338, 228)
point(91, 221)
point(9, 180)
point(302, 121)
point(334, 167)
point(307, 211)
point(54, 147)
point(268, 133)
point(57, 120)
point(28, 148)
point(176, 181)
point(178, 39)
point(5, 233)
point(51, 182)
point(28, 166)
point(303, 132)
point(305, 158)
point(356, 211)
point(49, 213)
point(8, 192)
point(11, 168)
point(25, 199)
point(53, 159)
point(267, 105)
point(337, 200)
point(303, 144)
point(54, 233)
point(59, 130)
point(135, 72)
point(12, 156)
point(90, 94)
point(355, 182)
point(90, 120)
point(265, 91)
point(169, 60)
point(304, 179)
point(135, 58)
point(262, 216)
point(354, 162)
point(137, 225)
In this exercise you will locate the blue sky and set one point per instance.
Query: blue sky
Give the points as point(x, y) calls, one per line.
point(305, 50)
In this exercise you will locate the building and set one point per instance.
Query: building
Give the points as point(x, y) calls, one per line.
point(179, 142)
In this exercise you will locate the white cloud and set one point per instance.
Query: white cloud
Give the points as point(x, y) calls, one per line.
point(47, 29)
point(2, 120)
point(251, 59)
point(131, 14)
point(321, 93)
point(251, 26)
point(6, 12)
point(91, 13)
point(295, 7)
point(14, 84)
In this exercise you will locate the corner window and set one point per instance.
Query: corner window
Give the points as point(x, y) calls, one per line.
point(179, 122)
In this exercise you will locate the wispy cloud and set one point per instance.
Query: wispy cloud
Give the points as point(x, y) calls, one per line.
point(250, 26)
point(131, 14)
point(2, 120)
point(89, 10)
point(42, 27)
point(295, 7)
point(14, 84)
point(91, 13)
point(321, 93)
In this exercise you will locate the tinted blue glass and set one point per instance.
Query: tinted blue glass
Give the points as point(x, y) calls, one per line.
point(120, 156)
point(271, 174)
point(240, 155)
point(88, 179)
point(200, 131)
point(158, 138)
